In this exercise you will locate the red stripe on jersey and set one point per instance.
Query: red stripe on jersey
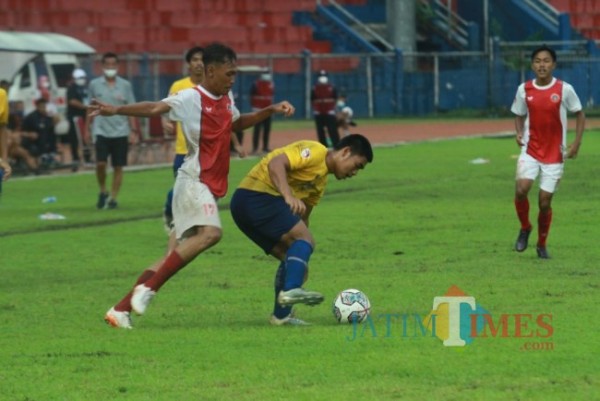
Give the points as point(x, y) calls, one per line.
point(545, 126)
point(215, 136)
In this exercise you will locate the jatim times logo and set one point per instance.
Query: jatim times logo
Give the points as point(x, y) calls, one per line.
point(461, 320)
point(457, 319)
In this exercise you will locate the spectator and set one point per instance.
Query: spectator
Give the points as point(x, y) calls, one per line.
point(261, 96)
point(111, 134)
point(38, 136)
point(323, 98)
point(5, 169)
point(77, 99)
point(17, 153)
point(344, 115)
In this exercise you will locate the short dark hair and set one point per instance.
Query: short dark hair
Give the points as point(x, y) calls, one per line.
point(218, 53)
point(40, 100)
point(359, 145)
point(109, 55)
point(190, 53)
point(543, 48)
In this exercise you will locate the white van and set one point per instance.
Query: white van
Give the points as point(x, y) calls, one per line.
point(28, 59)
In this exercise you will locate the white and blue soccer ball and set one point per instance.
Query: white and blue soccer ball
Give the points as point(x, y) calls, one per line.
point(351, 306)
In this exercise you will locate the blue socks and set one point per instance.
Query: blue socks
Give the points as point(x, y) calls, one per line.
point(290, 273)
point(169, 204)
point(280, 311)
point(296, 262)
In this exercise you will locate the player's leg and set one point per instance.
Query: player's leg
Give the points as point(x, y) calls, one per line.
point(549, 180)
point(168, 209)
point(527, 171)
point(256, 137)
point(320, 124)
point(118, 149)
point(544, 221)
point(120, 314)
point(299, 245)
point(332, 129)
point(267, 134)
point(265, 219)
point(197, 226)
point(102, 151)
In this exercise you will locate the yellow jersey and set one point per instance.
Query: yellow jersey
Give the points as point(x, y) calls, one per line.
point(3, 107)
point(179, 85)
point(307, 177)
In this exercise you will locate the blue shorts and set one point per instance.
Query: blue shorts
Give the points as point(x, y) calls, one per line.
point(177, 162)
point(264, 218)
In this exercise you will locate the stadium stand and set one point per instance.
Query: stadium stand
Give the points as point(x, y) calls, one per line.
point(585, 15)
point(168, 26)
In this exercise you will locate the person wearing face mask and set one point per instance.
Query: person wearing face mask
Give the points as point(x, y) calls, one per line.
point(77, 99)
point(111, 134)
point(323, 97)
point(261, 95)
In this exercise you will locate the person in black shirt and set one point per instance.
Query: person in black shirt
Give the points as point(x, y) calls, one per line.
point(38, 133)
point(77, 98)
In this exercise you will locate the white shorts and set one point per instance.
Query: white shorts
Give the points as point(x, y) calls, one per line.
point(528, 168)
point(193, 205)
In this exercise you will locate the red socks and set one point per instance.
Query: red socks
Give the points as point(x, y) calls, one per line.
point(544, 220)
point(522, 207)
point(171, 265)
point(125, 304)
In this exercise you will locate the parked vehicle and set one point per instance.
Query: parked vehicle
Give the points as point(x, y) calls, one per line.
point(39, 64)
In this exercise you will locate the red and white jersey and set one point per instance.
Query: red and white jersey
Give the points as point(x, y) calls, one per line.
point(206, 123)
point(545, 134)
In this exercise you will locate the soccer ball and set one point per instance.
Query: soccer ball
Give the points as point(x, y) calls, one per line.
point(350, 306)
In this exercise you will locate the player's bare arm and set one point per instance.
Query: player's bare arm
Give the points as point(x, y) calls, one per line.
point(579, 127)
point(278, 168)
point(140, 109)
point(248, 120)
point(520, 128)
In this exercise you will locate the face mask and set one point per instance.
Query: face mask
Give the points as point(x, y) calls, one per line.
point(322, 80)
point(110, 73)
point(341, 103)
point(80, 81)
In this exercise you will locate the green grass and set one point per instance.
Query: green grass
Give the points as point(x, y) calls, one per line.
point(418, 220)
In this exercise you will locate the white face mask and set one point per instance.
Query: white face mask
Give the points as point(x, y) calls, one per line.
point(323, 80)
point(110, 73)
point(80, 81)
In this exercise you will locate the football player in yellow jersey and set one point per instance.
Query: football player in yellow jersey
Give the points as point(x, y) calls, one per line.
point(4, 112)
point(193, 57)
point(272, 206)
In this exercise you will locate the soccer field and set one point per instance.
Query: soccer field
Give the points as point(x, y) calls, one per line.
point(425, 221)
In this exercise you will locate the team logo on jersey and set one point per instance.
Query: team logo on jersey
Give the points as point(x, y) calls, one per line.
point(305, 153)
point(554, 98)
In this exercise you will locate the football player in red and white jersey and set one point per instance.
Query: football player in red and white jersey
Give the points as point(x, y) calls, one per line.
point(541, 107)
point(207, 115)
